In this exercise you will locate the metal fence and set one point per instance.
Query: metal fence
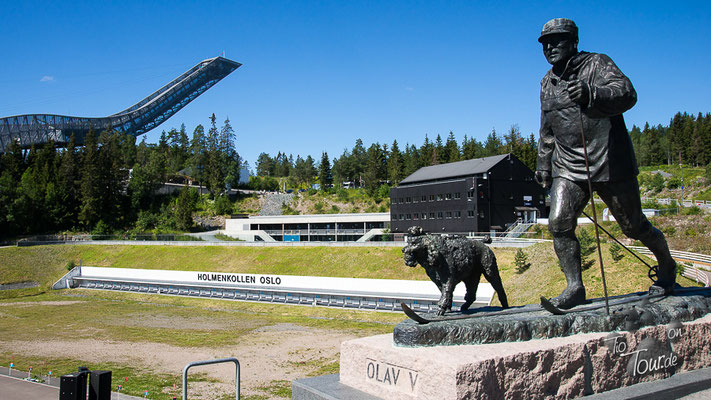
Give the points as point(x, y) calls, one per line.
point(696, 274)
point(685, 203)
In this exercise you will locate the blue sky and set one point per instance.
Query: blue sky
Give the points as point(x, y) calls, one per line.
point(317, 75)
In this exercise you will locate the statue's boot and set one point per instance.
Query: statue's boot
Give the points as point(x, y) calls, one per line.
point(666, 274)
point(567, 248)
point(571, 297)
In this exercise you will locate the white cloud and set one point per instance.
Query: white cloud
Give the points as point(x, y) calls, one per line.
point(47, 78)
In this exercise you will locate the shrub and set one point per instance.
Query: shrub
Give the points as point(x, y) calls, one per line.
point(657, 183)
point(587, 248)
point(70, 265)
point(383, 192)
point(616, 251)
point(669, 230)
point(101, 228)
point(521, 261)
point(342, 195)
point(694, 210)
point(286, 210)
point(673, 183)
point(223, 205)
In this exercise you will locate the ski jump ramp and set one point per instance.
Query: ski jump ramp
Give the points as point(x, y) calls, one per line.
point(37, 129)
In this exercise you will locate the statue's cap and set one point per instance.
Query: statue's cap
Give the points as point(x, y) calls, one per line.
point(559, 25)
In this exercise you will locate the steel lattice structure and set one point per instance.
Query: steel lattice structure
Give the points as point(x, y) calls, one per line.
point(35, 129)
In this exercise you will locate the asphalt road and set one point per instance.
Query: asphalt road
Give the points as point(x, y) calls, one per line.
point(18, 389)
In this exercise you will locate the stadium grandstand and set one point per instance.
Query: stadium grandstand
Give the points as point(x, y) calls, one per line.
point(36, 129)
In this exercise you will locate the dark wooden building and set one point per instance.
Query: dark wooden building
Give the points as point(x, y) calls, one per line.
point(472, 196)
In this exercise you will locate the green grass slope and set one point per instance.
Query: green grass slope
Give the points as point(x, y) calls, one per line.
point(46, 264)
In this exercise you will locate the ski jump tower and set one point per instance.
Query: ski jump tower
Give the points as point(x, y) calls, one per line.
point(37, 129)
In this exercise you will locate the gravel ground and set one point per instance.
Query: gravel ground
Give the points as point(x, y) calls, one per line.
point(273, 353)
point(274, 201)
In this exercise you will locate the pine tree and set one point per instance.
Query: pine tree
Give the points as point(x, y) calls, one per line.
point(438, 156)
point(68, 185)
point(395, 164)
point(90, 207)
point(325, 176)
point(214, 173)
point(587, 248)
point(198, 154)
point(374, 168)
point(492, 145)
point(265, 165)
point(451, 149)
point(616, 251)
point(427, 154)
point(230, 158)
point(411, 160)
point(521, 261)
point(471, 149)
point(185, 206)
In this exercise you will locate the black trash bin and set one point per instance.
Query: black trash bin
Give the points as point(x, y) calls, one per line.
point(100, 385)
point(73, 386)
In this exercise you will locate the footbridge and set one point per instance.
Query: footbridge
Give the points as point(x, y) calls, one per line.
point(37, 129)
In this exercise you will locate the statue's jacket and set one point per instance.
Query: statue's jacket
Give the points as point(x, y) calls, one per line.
point(560, 148)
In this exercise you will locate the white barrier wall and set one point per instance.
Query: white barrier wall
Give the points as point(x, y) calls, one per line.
point(425, 290)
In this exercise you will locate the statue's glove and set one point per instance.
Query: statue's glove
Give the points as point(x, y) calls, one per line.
point(544, 179)
point(579, 92)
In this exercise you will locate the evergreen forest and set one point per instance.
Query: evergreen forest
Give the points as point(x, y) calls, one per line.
point(112, 184)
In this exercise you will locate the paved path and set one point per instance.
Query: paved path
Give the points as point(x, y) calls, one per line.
point(18, 389)
point(12, 388)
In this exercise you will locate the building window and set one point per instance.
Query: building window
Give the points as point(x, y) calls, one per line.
point(440, 215)
point(415, 216)
point(415, 199)
point(432, 215)
point(481, 214)
point(457, 195)
point(439, 197)
point(471, 213)
point(432, 197)
point(424, 198)
point(401, 200)
point(424, 215)
point(470, 194)
point(408, 199)
point(448, 196)
point(458, 214)
point(402, 217)
point(409, 217)
point(448, 215)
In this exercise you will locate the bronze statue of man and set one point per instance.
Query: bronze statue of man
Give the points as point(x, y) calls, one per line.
point(588, 89)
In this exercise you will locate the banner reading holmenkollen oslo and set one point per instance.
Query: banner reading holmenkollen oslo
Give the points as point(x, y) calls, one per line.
point(278, 282)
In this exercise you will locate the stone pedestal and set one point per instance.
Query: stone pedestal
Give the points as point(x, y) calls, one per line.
point(563, 367)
